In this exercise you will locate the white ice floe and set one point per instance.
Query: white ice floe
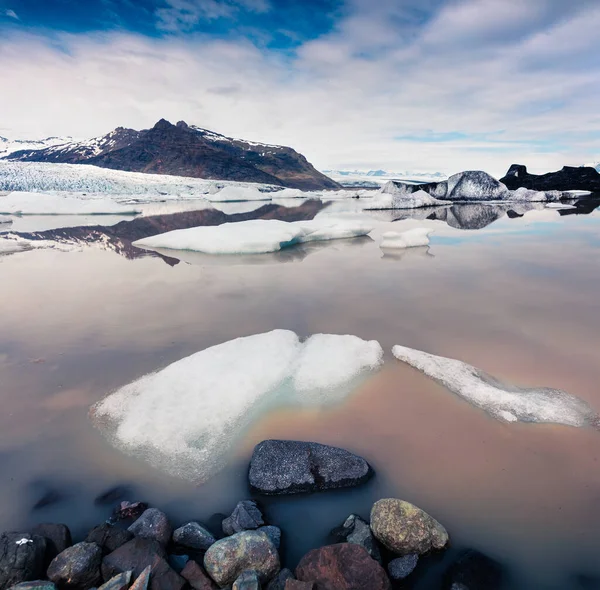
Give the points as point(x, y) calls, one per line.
point(502, 401)
point(400, 199)
point(25, 203)
point(256, 236)
point(560, 206)
point(412, 238)
point(5, 219)
point(186, 417)
point(232, 194)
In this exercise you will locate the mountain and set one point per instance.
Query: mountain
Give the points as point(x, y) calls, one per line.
point(567, 179)
point(186, 150)
point(376, 178)
point(595, 165)
point(9, 146)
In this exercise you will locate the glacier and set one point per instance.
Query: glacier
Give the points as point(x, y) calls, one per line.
point(186, 417)
point(502, 401)
point(26, 203)
point(412, 238)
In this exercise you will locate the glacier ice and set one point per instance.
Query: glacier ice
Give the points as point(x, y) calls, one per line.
point(255, 236)
point(393, 197)
point(502, 401)
point(412, 238)
point(185, 417)
point(232, 194)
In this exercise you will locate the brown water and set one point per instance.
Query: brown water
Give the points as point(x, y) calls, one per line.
point(519, 299)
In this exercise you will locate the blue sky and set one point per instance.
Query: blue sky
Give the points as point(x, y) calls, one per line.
point(439, 85)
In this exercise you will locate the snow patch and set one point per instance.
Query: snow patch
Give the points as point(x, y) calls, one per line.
point(412, 238)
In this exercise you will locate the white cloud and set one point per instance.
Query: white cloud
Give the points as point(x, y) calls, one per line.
point(345, 98)
point(11, 14)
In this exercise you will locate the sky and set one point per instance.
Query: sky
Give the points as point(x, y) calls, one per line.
point(417, 85)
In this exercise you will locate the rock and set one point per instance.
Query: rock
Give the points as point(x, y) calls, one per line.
point(110, 497)
point(127, 510)
point(356, 530)
point(108, 537)
point(247, 580)
point(152, 524)
point(279, 581)
point(569, 178)
point(273, 532)
point(474, 571)
point(299, 585)
point(405, 529)
point(196, 577)
point(246, 516)
point(135, 555)
point(249, 550)
point(194, 536)
point(291, 467)
point(77, 567)
point(118, 582)
point(21, 558)
point(35, 585)
point(163, 577)
point(178, 562)
point(475, 185)
point(402, 567)
point(58, 538)
point(345, 566)
point(143, 580)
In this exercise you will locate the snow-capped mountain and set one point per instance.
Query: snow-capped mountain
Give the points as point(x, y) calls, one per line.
point(376, 178)
point(9, 146)
point(186, 150)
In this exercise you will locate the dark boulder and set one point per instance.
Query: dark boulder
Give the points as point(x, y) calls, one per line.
point(58, 538)
point(247, 580)
point(474, 571)
point(196, 577)
point(194, 536)
point(291, 467)
point(568, 179)
point(118, 582)
point(279, 581)
point(77, 567)
point(152, 524)
point(356, 530)
point(245, 517)
point(22, 558)
point(135, 555)
point(345, 566)
point(402, 567)
point(108, 537)
point(127, 511)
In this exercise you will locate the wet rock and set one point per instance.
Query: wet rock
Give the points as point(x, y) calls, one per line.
point(178, 562)
point(299, 585)
point(402, 567)
point(58, 538)
point(247, 580)
point(112, 496)
point(135, 555)
point(273, 532)
point(291, 467)
point(474, 571)
point(77, 567)
point(163, 577)
point(152, 524)
point(344, 566)
point(405, 529)
point(143, 580)
point(127, 510)
point(248, 550)
point(21, 558)
point(356, 530)
point(35, 585)
point(279, 581)
point(118, 582)
point(108, 537)
point(245, 517)
point(196, 577)
point(194, 536)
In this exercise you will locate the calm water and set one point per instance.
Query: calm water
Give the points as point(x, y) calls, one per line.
point(518, 297)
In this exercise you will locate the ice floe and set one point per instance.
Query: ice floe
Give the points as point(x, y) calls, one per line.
point(5, 219)
point(393, 197)
point(186, 417)
point(232, 194)
point(26, 203)
point(256, 236)
point(503, 401)
point(412, 238)
point(560, 206)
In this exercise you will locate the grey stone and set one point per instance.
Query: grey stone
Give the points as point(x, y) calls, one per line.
point(291, 467)
point(21, 558)
point(356, 530)
point(108, 537)
point(194, 536)
point(245, 517)
point(402, 567)
point(152, 524)
point(273, 532)
point(134, 555)
point(279, 581)
point(77, 567)
point(118, 582)
point(247, 580)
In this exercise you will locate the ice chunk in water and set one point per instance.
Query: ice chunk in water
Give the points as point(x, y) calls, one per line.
point(186, 417)
point(238, 193)
point(503, 401)
point(403, 200)
point(5, 219)
point(412, 238)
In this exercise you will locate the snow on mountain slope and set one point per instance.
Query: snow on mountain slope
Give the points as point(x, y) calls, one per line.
point(377, 178)
point(9, 146)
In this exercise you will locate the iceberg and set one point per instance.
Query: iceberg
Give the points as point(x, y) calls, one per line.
point(502, 401)
point(185, 417)
point(5, 219)
point(257, 236)
point(412, 238)
point(392, 197)
point(232, 194)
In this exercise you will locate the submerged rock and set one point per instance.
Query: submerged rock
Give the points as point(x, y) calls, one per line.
point(77, 567)
point(249, 550)
point(291, 467)
point(402, 567)
point(21, 558)
point(405, 529)
point(474, 571)
point(247, 580)
point(342, 567)
point(356, 530)
point(194, 536)
point(152, 524)
point(196, 577)
point(246, 516)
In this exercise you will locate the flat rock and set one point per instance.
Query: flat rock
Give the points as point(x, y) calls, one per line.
point(21, 558)
point(152, 524)
point(344, 566)
point(280, 580)
point(248, 550)
point(194, 536)
point(118, 582)
point(135, 555)
point(405, 529)
point(58, 538)
point(77, 567)
point(108, 537)
point(196, 577)
point(35, 585)
point(245, 517)
point(402, 567)
point(292, 467)
point(474, 571)
point(356, 530)
point(247, 580)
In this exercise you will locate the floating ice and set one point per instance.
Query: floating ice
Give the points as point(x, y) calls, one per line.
point(5, 219)
point(256, 236)
point(186, 417)
point(412, 238)
point(503, 401)
point(238, 193)
point(11, 244)
point(560, 206)
point(24, 203)
point(393, 197)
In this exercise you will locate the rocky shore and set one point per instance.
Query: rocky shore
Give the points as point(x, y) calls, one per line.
point(137, 547)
